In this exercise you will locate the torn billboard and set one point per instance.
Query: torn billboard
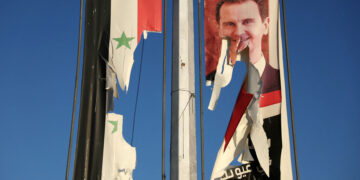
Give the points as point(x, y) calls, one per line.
point(249, 31)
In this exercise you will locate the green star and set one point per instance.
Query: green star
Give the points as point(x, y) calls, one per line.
point(123, 41)
point(115, 123)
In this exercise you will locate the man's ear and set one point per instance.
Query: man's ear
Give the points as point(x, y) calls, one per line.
point(266, 25)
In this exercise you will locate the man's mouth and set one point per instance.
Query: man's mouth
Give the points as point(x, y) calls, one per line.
point(244, 42)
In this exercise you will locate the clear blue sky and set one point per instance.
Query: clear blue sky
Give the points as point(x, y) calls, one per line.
point(38, 46)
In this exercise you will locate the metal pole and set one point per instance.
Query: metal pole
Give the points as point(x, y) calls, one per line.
point(290, 92)
point(183, 133)
point(163, 98)
point(75, 91)
point(90, 136)
point(201, 92)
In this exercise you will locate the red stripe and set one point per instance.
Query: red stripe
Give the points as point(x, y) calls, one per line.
point(241, 104)
point(270, 98)
point(149, 16)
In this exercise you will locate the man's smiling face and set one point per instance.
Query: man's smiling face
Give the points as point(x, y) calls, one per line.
point(241, 21)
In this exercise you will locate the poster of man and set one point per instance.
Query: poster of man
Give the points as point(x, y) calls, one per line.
point(249, 30)
point(253, 30)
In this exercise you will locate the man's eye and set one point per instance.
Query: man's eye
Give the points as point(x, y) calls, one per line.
point(247, 21)
point(229, 24)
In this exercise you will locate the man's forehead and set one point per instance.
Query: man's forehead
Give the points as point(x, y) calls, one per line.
point(239, 10)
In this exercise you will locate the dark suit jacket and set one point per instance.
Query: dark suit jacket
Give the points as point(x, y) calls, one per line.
point(270, 79)
point(272, 126)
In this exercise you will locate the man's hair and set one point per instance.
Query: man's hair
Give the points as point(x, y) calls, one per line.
point(260, 4)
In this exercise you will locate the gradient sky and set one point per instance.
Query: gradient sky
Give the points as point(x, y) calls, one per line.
point(38, 46)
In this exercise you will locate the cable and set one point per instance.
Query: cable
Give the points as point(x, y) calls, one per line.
point(137, 92)
point(192, 95)
point(75, 91)
point(290, 93)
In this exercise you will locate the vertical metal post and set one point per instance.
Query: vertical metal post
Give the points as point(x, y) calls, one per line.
point(290, 92)
point(163, 98)
point(75, 90)
point(90, 136)
point(183, 134)
point(201, 92)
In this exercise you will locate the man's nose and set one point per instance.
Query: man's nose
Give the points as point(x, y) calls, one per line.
point(239, 30)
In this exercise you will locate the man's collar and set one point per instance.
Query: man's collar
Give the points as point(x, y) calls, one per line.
point(260, 65)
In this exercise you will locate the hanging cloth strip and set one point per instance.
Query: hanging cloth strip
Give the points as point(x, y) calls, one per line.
point(119, 158)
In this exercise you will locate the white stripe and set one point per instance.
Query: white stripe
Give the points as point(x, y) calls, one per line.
point(123, 19)
point(285, 162)
point(276, 60)
point(270, 111)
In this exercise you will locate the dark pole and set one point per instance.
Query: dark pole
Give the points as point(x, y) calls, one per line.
point(89, 147)
point(201, 93)
point(75, 91)
point(163, 91)
point(290, 92)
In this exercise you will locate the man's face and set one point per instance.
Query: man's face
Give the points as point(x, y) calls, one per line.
point(243, 24)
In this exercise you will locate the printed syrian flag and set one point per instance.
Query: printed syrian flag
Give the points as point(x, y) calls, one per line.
point(129, 19)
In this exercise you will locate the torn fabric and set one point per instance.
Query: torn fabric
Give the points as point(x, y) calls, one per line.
point(223, 74)
point(128, 21)
point(246, 120)
point(119, 158)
